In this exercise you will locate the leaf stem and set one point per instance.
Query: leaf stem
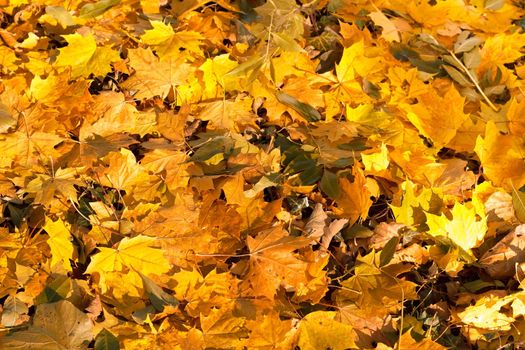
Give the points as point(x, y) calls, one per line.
point(474, 81)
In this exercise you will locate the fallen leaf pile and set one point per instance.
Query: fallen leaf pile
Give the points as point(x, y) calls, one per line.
point(251, 174)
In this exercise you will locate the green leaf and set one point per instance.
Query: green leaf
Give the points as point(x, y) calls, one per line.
point(212, 147)
point(308, 112)
point(105, 340)
point(330, 185)
point(518, 201)
point(156, 295)
point(388, 251)
point(55, 291)
point(403, 52)
point(457, 76)
point(467, 44)
point(61, 15)
point(286, 43)
point(357, 231)
point(426, 66)
point(494, 5)
point(98, 8)
point(253, 63)
point(472, 59)
point(307, 168)
point(478, 285)
point(6, 119)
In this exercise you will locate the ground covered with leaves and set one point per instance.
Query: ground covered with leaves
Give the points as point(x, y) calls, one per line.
point(280, 174)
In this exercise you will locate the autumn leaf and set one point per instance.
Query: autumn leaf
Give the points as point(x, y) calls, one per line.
point(354, 199)
point(167, 42)
point(502, 157)
point(57, 325)
point(465, 229)
point(84, 56)
point(320, 330)
point(134, 253)
point(153, 77)
point(60, 242)
point(268, 333)
point(432, 109)
point(272, 262)
point(221, 329)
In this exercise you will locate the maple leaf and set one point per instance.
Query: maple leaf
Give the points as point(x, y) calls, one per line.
point(60, 243)
point(282, 16)
point(501, 157)
point(122, 171)
point(116, 115)
point(134, 253)
point(273, 263)
point(61, 184)
point(229, 115)
point(84, 57)
point(320, 330)
point(464, 230)
point(500, 49)
point(390, 32)
point(501, 260)
point(410, 212)
point(221, 329)
point(375, 289)
point(376, 161)
point(354, 63)
point(242, 158)
point(167, 42)
point(354, 199)
point(487, 313)
point(432, 109)
point(27, 148)
point(268, 333)
point(407, 342)
point(153, 77)
point(57, 325)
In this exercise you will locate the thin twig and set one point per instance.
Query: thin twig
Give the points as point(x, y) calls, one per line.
point(474, 81)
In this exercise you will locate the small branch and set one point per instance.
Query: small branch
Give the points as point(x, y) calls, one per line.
point(474, 81)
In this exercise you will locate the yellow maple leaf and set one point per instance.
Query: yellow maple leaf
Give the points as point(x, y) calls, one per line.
point(515, 114)
point(354, 200)
point(320, 330)
point(268, 332)
point(487, 313)
point(375, 289)
point(123, 171)
point(356, 62)
point(167, 42)
point(229, 115)
point(61, 184)
point(273, 263)
point(136, 253)
point(59, 241)
point(84, 57)
point(378, 161)
point(436, 117)
point(390, 31)
point(215, 76)
point(502, 157)
point(222, 329)
point(409, 212)
point(500, 49)
point(153, 77)
point(406, 342)
point(464, 230)
point(116, 115)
